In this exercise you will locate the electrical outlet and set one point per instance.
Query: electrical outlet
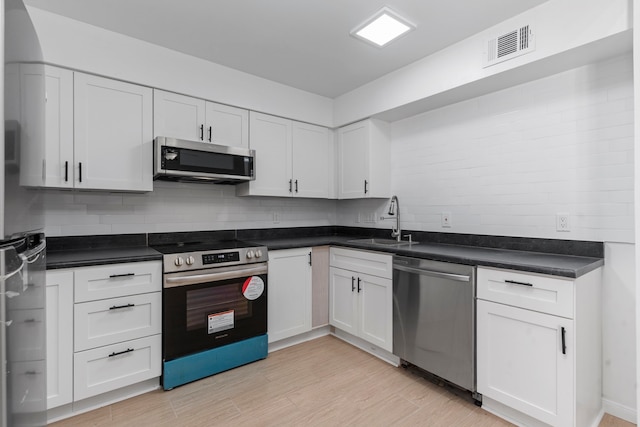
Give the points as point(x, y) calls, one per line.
point(358, 219)
point(276, 217)
point(446, 219)
point(562, 222)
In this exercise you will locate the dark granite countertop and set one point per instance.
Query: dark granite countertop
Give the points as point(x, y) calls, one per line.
point(545, 256)
point(88, 257)
point(533, 262)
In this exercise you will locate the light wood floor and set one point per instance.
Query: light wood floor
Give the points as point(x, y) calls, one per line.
point(324, 382)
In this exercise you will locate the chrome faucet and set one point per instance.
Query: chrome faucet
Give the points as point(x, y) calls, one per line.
point(394, 213)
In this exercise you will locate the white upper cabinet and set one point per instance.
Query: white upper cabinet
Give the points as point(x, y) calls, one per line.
point(363, 160)
point(185, 117)
point(47, 157)
point(311, 160)
point(96, 133)
point(112, 134)
point(292, 158)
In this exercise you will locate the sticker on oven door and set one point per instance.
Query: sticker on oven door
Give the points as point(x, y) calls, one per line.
point(220, 321)
point(253, 288)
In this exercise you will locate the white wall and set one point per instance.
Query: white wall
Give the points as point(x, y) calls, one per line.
point(73, 44)
point(176, 207)
point(559, 26)
point(507, 162)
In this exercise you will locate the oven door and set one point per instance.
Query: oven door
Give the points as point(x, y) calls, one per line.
point(210, 308)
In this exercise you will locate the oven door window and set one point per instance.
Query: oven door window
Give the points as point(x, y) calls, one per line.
point(214, 305)
point(208, 315)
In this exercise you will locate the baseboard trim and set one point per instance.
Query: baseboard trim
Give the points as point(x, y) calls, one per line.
point(372, 349)
point(104, 399)
point(299, 339)
point(621, 411)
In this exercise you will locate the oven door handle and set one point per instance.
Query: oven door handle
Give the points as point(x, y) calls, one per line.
point(170, 282)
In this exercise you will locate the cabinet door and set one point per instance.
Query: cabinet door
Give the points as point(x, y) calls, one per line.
point(46, 126)
point(353, 161)
point(289, 291)
point(521, 362)
point(178, 116)
point(376, 310)
point(271, 139)
point(58, 128)
point(112, 134)
point(59, 317)
point(343, 300)
point(226, 125)
point(311, 166)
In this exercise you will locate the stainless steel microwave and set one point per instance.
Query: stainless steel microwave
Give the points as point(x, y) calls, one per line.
point(182, 160)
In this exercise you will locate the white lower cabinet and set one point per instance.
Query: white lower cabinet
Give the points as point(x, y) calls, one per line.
point(361, 295)
point(103, 329)
point(59, 337)
point(539, 347)
point(289, 293)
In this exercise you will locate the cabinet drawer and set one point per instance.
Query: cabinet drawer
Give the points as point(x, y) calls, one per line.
point(544, 294)
point(109, 321)
point(107, 368)
point(375, 264)
point(117, 280)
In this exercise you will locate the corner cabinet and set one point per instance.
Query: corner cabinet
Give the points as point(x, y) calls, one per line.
point(364, 168)
point(289, 293)
point(184, 117)
point(96, 133)
point(293, 159)
point(539, 347)
point(361, 295)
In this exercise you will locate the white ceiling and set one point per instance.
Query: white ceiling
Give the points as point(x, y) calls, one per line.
point(300, 43)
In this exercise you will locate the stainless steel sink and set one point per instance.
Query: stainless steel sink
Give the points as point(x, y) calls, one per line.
point(381, 242)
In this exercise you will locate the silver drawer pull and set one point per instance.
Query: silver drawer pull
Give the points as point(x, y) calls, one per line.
point(129, 350)
point(513, 282)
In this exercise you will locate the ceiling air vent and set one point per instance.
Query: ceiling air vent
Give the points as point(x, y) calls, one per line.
point(509, 45)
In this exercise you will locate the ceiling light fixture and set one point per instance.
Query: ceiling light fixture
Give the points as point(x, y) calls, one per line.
point(383, 27)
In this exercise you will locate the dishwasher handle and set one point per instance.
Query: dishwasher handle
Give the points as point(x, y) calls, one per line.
point(439, 274)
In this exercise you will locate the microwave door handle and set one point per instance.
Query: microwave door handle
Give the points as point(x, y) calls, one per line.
point(170, 282)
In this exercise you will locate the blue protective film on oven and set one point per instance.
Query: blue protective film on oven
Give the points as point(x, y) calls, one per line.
point(199, 365)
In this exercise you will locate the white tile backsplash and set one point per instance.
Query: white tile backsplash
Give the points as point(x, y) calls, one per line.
point(177, 207)
point(505, 163)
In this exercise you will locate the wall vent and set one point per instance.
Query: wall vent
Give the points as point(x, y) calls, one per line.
point(509, 45)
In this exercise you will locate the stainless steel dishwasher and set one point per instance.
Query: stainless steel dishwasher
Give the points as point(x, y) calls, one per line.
point(434, 318)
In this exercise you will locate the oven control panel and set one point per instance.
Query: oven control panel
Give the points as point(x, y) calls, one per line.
point(220, 257)
point(211, 259)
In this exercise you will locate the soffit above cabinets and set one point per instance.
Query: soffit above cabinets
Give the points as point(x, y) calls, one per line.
point(302, 44)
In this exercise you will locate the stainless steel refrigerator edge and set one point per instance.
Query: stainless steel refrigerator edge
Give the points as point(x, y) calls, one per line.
point(22, 242)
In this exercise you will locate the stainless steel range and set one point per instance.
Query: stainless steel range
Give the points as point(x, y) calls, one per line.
point(214, 308)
